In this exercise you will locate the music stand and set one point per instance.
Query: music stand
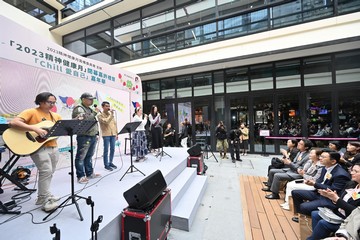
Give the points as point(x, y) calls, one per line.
point(70, 128)
point(161, 154)
point(129, 128)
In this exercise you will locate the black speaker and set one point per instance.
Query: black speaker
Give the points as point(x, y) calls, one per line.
point(143, 194)
point(194, 150)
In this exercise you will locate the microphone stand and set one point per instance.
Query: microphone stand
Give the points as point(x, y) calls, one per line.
point(94, 224)
point(56, 231)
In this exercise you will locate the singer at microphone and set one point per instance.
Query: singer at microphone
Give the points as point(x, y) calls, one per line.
point(109, 132)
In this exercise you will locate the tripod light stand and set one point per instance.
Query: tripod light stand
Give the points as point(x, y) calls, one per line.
point(207, 148)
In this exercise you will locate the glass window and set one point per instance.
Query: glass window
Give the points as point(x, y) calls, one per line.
point(219, 82)
point(347, 67)
point(75, 42)
point(237, 80)
point(345, 6)
point(168, 88)
point(286, 14)
point(317, 71)
point(288, 74)
point(349, 113)
point(289, 115)
point(144, 85)
point(319, 114)
point(158, 18)
point(153, 90)
point(77, 47)
point(202, 84)
point(184, 111)
point(104, 56)
point(202, 109)
point(127, 28)
point(261, 77)
point(128, 52)
point(239, 112)
point(183, 86)
point(232, 27)
point(195, 12)
point(316, 9)
point(263, 120)
point(98, 37)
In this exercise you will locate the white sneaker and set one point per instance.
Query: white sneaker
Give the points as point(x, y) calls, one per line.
point(286, 207)
point(284, 204)
point(83, 180)
point(49, 205)
point(42, 199)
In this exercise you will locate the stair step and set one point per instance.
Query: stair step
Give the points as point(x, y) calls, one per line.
point(184, 213)
point(180, 185)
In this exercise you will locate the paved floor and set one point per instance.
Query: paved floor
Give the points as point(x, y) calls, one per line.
point(220, 213)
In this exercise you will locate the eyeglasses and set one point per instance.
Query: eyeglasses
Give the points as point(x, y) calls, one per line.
point(50, 102)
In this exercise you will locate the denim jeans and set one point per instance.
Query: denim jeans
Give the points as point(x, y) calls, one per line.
point(83, 160)
point(321, 228)
point(109, 141)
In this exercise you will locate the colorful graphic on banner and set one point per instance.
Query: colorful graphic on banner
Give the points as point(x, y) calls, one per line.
point(31, 64)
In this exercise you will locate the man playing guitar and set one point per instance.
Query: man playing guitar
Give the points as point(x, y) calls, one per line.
point(47, 156)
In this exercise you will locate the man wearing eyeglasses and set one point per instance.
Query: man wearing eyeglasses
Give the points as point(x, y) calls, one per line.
point(47, 156)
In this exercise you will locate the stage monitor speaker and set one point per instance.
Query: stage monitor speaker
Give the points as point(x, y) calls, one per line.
point(194, 150)
point(143, 194)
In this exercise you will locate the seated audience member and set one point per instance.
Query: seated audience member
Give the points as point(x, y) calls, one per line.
point(343, 205)
point(352, 153)
point(333, 176)
point(311, 171)
point(350, 228)
point(335, 146)
point(169, 134)
point(290, 173)
point(289, 153)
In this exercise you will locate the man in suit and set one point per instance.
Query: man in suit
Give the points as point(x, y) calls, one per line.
point(290, 172)
point(333, 176)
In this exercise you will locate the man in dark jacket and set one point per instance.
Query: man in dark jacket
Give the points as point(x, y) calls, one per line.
point(333, 176)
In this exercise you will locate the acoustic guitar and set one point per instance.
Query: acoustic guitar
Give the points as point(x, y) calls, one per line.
point(26, 142)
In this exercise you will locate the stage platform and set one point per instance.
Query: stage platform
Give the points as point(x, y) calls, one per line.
point(107, 194)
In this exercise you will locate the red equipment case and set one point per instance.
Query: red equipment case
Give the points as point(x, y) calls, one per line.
point(197, 162)
point(154, 223)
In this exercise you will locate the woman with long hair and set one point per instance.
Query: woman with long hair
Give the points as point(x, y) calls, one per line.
point(155, 129)
point(139, 140)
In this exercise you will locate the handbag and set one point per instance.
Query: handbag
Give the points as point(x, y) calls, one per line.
point(277, 163)
point(329, 216)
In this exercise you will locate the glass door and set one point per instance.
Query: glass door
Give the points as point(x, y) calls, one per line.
point(202, 119)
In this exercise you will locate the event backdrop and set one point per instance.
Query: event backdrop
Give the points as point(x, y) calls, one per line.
point(30, 64)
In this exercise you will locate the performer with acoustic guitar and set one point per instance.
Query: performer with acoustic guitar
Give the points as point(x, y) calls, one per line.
point(47, 156)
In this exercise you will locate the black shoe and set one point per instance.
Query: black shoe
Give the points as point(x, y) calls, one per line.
point(233, 160)
point(266, 189)
point(295, 219)
point(273, 196)
point(239, 160)
point(108, 168)
point(113, 166)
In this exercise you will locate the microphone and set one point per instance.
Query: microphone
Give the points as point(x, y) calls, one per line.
point(95, 105)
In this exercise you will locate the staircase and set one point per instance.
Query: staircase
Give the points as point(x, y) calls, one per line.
point(187, 190)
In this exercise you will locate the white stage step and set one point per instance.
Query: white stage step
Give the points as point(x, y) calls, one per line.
point(187, 202)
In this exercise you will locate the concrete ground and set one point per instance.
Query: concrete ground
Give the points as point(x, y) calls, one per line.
point(220, 213)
